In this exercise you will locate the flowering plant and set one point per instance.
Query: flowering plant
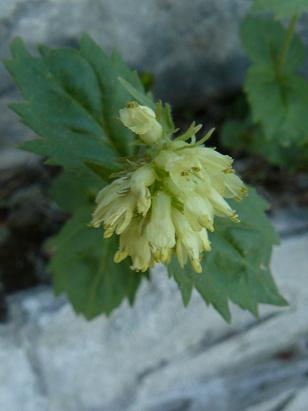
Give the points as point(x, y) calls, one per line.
point(167, 199)
point(160, 196)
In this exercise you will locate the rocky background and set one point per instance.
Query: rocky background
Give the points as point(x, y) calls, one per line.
point(157, 356)
point(191, 47)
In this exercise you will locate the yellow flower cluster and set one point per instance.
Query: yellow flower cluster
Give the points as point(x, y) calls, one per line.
point(168, 204)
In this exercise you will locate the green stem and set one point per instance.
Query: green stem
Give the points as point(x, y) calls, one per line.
point(287, 42)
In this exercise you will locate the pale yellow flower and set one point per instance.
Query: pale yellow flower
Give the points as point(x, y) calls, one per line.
point(213, 161)
point(189, 243)
point(135, 245)
point(199, 211)
point(140, 180)
point(111, 194)
point(160, 231)
point(142, 121)
point(234, 187)
point(118, 214)
point(169, 199)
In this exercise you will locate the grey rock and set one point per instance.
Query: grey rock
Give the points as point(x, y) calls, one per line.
point(280, 402)
point(19, 385)
point(299, 402)
point(192, 48)
point(13, 158)
point(181, 43)
point(159, 355)
point(291, 221)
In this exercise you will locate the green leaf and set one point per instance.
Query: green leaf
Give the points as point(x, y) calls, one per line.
point(182, 278)
point(263, 41)
point(71, 100)
point(84, 269)
point(281, 8)
point(164, 116)
point(245, 136)
point(82, 263)
point(237, 135)
point(276, 128)
point(281, 108)
point(113, 95)
point(238, 267)
point(278, 96)
point(74, 191)
point(140, 97)
point(101, 170)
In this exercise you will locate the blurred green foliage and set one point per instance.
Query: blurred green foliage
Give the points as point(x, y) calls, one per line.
point(275, 124)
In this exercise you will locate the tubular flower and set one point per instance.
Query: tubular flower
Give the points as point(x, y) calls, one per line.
point(166, 202)
point(142, 121)
point(135, 245)
point(140, 180)
point(160, 231)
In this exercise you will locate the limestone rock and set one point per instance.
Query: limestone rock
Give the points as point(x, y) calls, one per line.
point(161, 356)
point(192, 48)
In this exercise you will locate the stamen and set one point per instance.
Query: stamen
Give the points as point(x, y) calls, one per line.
point(229, 171)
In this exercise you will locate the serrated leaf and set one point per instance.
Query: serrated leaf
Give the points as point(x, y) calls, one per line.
point(74, 191)
point(82, 264)
point(101, 170)
point(278, 96)
point(113, 95)
point(246, 136)
point(72, 99)
point(263, 40)
point(281, 8)
point(238, 267)
point(281, 108)
point(140, 97)
point(182, 278)
point(84, 269)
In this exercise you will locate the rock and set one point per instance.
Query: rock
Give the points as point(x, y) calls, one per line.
point(12, 132)
point(159, 355)
point(277, 403)
point(192, 48)
point(13, 158)
point(299, 402)
point(291, 221)
point(180, 43)
point(20, 389)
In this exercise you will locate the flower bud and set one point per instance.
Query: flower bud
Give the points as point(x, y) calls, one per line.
point(142, 121)
point(140, 180)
